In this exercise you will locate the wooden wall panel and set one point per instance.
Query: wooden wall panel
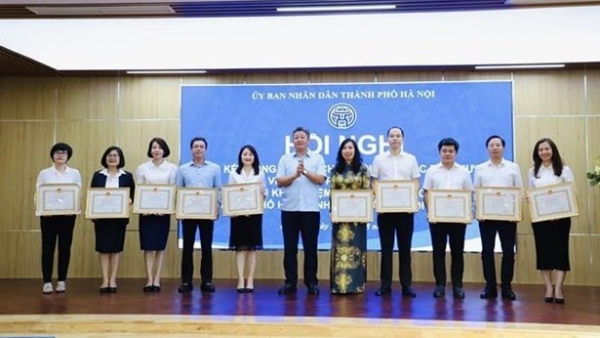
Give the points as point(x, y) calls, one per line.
point(594, 257)
point(134, 137)
point(25, 151)
point(89, 140)
point(390, 76)
point(593, 91)
point(87, 98)
point(213, 79)
point(477, 76)
point(23, 99)
point(549, 93)
point(93, 113)
point(149, 98)
point(18, 261)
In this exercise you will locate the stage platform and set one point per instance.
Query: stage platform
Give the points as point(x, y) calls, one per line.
point(83, 312)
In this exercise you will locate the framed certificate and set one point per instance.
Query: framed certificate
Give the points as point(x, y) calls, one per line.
point(154, 199)
point(498, 203)
point(397, 196)
point(552, 202)
point(242, 199)
point(107, 203)
point(57, 199)
point(196, 203)
point(351, 206)
point(449, 206)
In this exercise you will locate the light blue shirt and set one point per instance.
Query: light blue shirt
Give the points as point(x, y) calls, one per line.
point(206, 175)
point(302, 194)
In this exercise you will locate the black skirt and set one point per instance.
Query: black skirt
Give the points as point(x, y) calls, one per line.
point(552, 244)
point(110, 234)
point(154, 232)
point(246, 233)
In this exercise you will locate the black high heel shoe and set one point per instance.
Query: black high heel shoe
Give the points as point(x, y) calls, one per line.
point(249, 290)
point(148, 288)
point(156, 288)
point(241, 290)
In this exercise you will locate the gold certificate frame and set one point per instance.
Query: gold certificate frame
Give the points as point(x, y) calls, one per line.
point(553, 202)
point(351, 206)
point(58, 199)
point(242, 199)
point(498, 203)
point(397, 196)
point(449, 206)
point(107, 203)
point(154, 199)
point(196, 203)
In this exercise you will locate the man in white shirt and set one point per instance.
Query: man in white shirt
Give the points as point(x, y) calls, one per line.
point(447, 175)
point(300, 174)
point(497, 172)
point(395, 165)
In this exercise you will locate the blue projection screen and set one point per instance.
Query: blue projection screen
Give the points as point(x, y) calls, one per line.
point(229, 116)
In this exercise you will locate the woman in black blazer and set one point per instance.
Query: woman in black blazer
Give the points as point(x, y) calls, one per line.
point(110, 232)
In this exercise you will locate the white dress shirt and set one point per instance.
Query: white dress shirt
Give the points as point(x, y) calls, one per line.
point(243, 177)
point(506, 174)
point(401, 167)
point(150, 173)
point(439, 177)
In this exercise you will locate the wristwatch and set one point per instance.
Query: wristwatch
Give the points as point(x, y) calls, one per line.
point(305, 172)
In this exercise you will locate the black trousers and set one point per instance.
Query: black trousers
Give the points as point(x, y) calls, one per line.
point(507, 231)
point(305, 224)
point(53, 228)
point(187, 257)
point(440, 234)
point(398, 226)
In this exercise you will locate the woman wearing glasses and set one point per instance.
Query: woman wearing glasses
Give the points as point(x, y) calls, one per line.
point(110, 232)
point(60, 226)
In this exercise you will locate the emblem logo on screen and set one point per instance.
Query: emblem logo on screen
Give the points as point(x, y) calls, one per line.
point(341, 116)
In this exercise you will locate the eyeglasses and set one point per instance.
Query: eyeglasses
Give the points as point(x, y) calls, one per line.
point(61, 152)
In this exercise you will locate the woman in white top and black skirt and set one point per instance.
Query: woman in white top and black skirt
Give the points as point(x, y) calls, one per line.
point(551, 237)
point(154, 229)
point(245, 236)
point(60, 226)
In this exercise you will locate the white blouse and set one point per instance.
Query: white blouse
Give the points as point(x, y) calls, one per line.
point(243, 177)
point(112, 181)
point(52, 175)
point(150, 173)
point(546, 176)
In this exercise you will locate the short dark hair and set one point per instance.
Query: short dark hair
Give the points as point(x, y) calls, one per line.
point(197, 138)
point(163, 145)
point(255, 165)
point(302, 129)
point(61, 146)
point(448, 141)
point(395, 127)
point(121, 157)
point(487, 142)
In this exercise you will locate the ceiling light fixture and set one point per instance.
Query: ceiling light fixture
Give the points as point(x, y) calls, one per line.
point(336, 8)
point(164, 72)
point(532, 66)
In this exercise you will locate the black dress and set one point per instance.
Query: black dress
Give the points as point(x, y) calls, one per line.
point(110, 232)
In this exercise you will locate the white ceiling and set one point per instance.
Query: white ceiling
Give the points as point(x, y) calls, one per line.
point(518, 36)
